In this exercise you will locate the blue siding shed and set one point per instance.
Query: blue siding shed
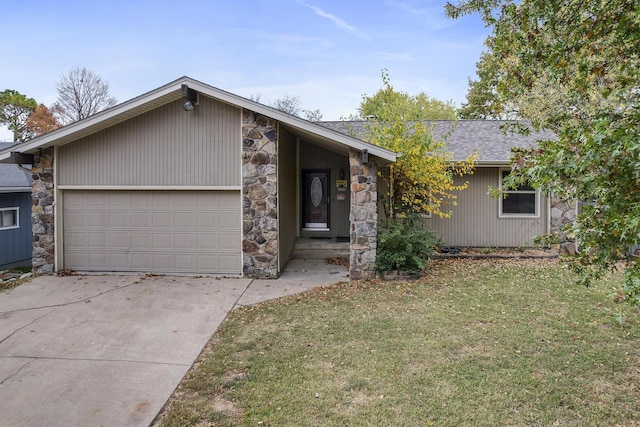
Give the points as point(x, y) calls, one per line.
point(15, 243)
point(15, 215)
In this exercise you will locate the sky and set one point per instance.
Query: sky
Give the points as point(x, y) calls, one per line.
point(329, 53)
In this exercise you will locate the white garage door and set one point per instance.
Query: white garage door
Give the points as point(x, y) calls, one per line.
point(153, 231)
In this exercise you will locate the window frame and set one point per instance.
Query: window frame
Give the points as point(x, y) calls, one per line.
point(13, 226)
point(535, 192)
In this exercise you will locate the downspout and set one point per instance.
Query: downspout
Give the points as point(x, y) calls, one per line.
point(390, 191)
point(549, 201)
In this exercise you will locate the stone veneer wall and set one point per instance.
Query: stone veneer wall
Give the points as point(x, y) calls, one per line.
point(562, 213)
point(363, 217)
point(259, 195)
point(42, 214)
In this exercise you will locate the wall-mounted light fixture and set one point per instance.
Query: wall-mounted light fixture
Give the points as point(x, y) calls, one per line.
point(190, 97)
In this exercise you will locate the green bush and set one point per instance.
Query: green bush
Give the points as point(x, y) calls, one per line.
point(404, 245)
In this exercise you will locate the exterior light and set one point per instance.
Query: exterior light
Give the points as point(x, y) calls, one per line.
point(190, 97)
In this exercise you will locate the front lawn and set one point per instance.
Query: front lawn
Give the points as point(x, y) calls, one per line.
point(476, 342)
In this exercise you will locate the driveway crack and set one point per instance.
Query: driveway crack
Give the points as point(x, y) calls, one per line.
point(27, 325)
point(16, 372)
point(235, 304)
point(84, 299)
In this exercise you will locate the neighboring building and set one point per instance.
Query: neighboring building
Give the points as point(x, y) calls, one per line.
point(479, 220)
point(190, 179)
point(15, 215)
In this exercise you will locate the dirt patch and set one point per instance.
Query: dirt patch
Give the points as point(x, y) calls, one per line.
point(338, 261)
point(481, 253)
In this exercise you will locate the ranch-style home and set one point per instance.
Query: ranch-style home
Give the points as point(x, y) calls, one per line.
point(479, 220)
point(191, 179)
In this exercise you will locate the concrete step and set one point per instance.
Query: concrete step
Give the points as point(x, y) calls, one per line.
point(306, 248)
point(318, 254)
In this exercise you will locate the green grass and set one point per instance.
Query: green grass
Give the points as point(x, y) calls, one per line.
point(508, 342)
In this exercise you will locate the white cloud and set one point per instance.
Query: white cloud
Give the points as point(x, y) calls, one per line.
point(433, 15)
point(340, 23)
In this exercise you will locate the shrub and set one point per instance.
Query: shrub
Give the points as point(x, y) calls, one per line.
point(404, 245)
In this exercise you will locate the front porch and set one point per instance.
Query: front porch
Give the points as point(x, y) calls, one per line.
point(320, 248)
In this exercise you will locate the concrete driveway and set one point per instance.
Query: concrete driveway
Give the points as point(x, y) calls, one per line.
point(110, 350)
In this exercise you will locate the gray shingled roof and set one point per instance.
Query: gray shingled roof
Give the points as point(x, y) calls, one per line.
point(10, 175)
point(468, 137)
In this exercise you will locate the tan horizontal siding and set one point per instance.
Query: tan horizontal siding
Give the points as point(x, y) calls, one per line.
point(164, 147)
point(475, 221)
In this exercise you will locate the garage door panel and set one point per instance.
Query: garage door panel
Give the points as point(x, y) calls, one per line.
point(226, 201)
point(117, 261)
point(95, 219)
point(119, 219)
point(184, 220)
point(139, 219)
point(186, 241)
point(119, 240)
point(163, 241)
point(141, 241)
point(157, 231)
point(142, 199)
point(207, 219)
point(227, 220)
point(95, 240)
point(162, 219)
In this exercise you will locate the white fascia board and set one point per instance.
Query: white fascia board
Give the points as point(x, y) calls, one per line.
point(50, 138)
point(492, 163)
point(15, 190)
point(291, 120)
point(59, 136)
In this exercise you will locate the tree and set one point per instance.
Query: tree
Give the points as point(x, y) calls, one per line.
point(42, 120)
point(422, 179)
point(483, 101)
point(404, 107)
point(572, 66)
point(81, 93)
point(15, 108)
point(291, 105)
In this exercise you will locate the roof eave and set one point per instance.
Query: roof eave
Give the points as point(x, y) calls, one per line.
point(170, 92)
point(15, 189)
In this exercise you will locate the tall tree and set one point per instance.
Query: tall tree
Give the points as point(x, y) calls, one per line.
point(483, 100)
point(572, 66)
point(15, 109)
point(422, 179)
point(291, 105)
point(81, 93)
point(402, 106)
point(41, 121)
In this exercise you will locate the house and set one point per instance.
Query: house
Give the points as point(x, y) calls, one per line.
point(479, 220)
point(15, 215)
point(191, 179)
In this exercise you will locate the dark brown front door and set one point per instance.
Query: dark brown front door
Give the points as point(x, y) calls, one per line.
point(315, 199)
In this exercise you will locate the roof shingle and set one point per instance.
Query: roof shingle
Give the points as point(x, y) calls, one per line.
point(468, 137)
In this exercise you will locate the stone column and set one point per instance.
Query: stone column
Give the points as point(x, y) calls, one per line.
point(363, 217)
point(42, 213)
point(259, 195)
point(562, 213)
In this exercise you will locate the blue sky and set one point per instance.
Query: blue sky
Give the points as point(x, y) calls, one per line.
point(327, 52)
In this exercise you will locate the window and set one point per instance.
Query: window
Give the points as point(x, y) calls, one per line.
point(521, 202)
point(8, 218)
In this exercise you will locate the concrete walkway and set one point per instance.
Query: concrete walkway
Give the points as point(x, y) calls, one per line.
point(110, 350)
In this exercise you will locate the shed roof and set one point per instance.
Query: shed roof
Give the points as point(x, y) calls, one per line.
point(13, 178)
point(484, 137)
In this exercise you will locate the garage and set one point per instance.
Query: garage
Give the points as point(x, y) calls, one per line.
point(152, 231)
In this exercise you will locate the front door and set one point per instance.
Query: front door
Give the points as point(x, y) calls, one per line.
point(315, 199)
